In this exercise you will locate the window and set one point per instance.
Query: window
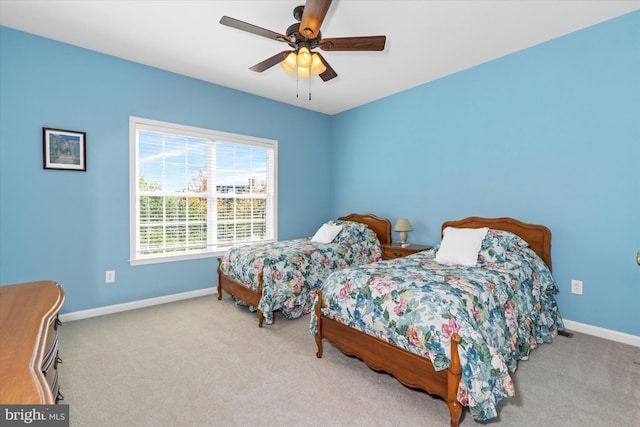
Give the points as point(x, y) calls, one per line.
point(196, 192)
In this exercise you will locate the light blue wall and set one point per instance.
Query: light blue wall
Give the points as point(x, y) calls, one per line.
point(72, 226)
point(549, 135)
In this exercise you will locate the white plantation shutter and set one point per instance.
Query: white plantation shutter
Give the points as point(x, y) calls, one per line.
point(196, 192)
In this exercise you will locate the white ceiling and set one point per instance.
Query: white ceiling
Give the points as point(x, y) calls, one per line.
point(426, 40)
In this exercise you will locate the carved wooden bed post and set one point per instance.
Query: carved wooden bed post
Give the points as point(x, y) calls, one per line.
point(219, 279)
point(319, 317)
point(454, 375)
point(260, 314)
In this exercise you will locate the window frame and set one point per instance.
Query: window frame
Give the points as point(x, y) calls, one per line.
point(139, 123)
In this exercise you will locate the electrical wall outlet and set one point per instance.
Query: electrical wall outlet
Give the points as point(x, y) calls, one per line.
point(576, 287)
point(110, 276)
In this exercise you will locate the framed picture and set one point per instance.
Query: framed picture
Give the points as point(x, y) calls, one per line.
point(64, 149)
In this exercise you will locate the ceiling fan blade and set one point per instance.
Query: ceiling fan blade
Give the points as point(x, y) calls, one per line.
point(353, 43)
point(270, 62)
point(329, 73)
point(250, 28)
point(312, 17)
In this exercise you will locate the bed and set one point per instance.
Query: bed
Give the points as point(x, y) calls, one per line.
point(282, 275)
point(454, 331)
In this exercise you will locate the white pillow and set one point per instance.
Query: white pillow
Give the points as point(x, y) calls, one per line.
point(326, 233)
point(461, 245)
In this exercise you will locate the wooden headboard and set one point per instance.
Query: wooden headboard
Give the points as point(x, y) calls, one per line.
point(381, 226)
point(537, 236)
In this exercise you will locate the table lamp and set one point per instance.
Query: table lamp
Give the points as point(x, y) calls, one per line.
point(403, 225)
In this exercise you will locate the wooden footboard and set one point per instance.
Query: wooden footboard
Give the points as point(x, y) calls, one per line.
point(409, 368)
point(240, 291)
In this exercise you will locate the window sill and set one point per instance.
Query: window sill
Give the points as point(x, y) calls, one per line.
point(174, 258)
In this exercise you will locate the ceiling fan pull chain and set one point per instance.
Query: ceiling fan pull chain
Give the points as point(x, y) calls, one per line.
point(297, 85)
point(309, 82)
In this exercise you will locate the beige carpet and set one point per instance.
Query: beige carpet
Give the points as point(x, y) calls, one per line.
point(204, 362)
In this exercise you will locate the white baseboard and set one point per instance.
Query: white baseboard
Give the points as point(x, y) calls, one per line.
point(608, 334)
point(570, 325)
point(110, 309)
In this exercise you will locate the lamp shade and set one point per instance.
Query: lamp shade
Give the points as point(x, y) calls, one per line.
point(304, 57)
point(317, 66)
point(403, 224)
point(289, 62)
point(303, 72)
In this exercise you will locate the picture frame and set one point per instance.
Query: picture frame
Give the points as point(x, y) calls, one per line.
point(64, 149)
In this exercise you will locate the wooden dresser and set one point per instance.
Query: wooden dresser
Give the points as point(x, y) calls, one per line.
point(29, 343)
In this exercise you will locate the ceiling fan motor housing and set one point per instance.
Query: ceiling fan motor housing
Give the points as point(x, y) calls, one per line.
point(293, 32)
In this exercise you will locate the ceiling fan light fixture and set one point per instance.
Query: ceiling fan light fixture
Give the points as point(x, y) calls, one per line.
point(289, 63)
point(317, 66)
point(303, 73)
point(304, 57)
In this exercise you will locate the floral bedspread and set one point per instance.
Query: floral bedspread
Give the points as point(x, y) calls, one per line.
point(501, 310)
point(292, 269)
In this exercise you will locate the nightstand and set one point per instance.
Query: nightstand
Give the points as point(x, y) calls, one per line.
point(395, 250)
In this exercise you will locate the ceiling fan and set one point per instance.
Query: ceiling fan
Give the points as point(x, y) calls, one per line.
point(303, 37)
